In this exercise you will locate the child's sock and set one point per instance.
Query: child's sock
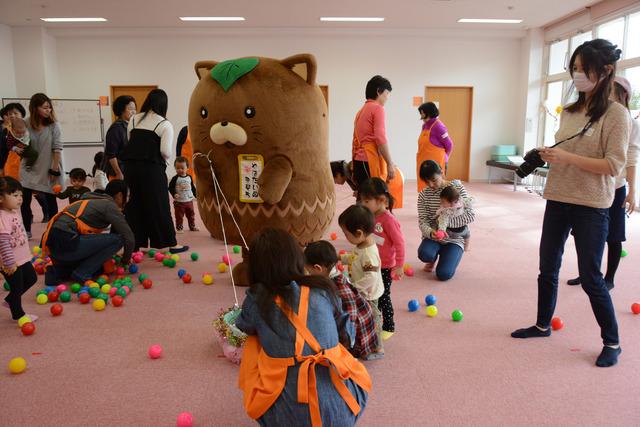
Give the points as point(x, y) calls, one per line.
point(608, 356)
point(386, 335)
point(532, 332)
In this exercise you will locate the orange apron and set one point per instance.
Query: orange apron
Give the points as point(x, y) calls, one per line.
point(378, 166)
point(83, 228)
point(262, 378)
point(12, 166)
point(428, 151)
point(187, 151)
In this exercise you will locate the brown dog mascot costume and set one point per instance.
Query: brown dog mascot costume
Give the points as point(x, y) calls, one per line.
point(261, 124)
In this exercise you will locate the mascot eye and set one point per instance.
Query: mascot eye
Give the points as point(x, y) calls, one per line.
point(250, 112)
point(204, 113)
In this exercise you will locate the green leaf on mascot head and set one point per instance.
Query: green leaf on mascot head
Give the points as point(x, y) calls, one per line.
point(228, 72)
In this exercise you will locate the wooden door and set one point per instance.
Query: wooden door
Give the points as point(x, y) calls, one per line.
point(139, 93)
point(456, 110)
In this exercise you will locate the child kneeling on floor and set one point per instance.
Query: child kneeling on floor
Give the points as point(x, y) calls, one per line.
point(321, 259)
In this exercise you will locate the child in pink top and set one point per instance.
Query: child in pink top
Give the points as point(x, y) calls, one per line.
point(15, 258)
point(375, 196)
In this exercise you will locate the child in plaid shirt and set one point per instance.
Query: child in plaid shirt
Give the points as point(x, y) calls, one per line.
point(321, 259)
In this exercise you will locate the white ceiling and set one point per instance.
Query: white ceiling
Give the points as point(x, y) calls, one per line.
point(399, 14)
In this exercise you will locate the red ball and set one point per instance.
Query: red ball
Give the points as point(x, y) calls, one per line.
point(120, 271)
point(186, 278)
point(635, 308)
point(340, 267)
point(147, 283)
point(28, 328)
point(159, 257)
point(557, 323)
point(342, 252)
point(53, 296)
point(56, 309)
point(39, 269)
point(334, 236)
point(117, 301)
point(84, 298)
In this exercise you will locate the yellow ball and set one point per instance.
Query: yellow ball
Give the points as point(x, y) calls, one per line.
point(559, 109)
point(406, 267)
point(175, 257)
point(432, 311)
point(207, 279)
point(222, 267)
point(94, 285)
point(42, 299)
point(105, 288)
point(36, 250)
point(17, 365)
point(99, 304)
point(24, 319)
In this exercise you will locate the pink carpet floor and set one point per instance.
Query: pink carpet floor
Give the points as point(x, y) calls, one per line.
point(88, 368)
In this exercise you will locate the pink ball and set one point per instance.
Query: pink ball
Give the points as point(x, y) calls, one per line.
point(159, 257)
point(226, 259)
point(61, 288)
point(155, 351)
point(137, 259)
point(120, 271)
point(439, 234)
point(112, 291)
point(409, 272)
point(126, 289)
point(185, 419)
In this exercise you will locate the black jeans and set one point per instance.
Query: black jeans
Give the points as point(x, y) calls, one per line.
point(590, 227)
point(20, 282)
point(25, 209)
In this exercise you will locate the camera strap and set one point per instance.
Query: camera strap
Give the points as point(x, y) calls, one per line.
point(581, 133)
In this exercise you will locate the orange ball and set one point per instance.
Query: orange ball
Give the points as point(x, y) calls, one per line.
point(557, 323)
point(635, 308)
point(57, 188)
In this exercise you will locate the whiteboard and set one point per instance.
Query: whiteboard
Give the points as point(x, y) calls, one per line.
point(80, 119)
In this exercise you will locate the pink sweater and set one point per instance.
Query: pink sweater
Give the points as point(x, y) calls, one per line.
point(390, 240)
point(369, 127)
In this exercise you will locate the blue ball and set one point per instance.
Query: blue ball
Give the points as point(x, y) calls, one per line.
point(82, 291)
point(133, 269)
point(84, 288)
point(414, 305)
point(181, 272)
point(430, 300)
point(50, 289)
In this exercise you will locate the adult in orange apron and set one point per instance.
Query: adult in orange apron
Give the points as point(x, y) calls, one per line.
point(428, 151)
point(186, 150)
point(262, 377)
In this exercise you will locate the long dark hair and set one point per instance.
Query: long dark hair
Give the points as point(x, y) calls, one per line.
point(275, 260)
point(374, 188)
point(38, 100)
point(595, 55)
point(157, 101)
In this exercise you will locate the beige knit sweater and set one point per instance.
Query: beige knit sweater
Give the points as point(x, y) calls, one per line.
point(606, 139)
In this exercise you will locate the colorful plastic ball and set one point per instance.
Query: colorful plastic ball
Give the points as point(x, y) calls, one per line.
point(84, 298)
point(103, 297)
point(171, 263)
point(409, 272)
point(181, 272)
point(432, 311)
point(137, 259)
point(105, 288)
point(152, 253)
point(65, 296)
point(17, 365)
point(175, 257)
point(56, 309)
point(226, 259)
point(557, 323)
point(95, 285)
point(194, 256)
point(165, 262)
point(7, 287)
point(53, 296)
point(42, 299)
point(108, 267)
point(414, 305)
point(207, 279)
point(42, 292)
point(50, 289)
point(133, 269)
point(24, 319)
point(147, 283)
point(28, 328)
point(142, 277)
point(117, 301)
point(222, 267)
point(186, 278)
point(126, 289)
point(99, 304)
point(334, 236)
point(36, 250)
point(439, 234)
point(430, 300)
point(120, 271)
point(624, 253)
point(237, 249)
point(61, 288)
point(457, 315)
point(113, 291)
point(635, 308)
point(94, 292)
point(185, 419)
point(122, 292)
point(340, 267)
point(39, 269)
point(155, 351)
point(101, 281)
point(75, 288)
point(57, 188)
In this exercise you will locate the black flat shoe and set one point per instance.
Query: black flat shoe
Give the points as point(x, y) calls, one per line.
point(179, 250)
point(574, 282)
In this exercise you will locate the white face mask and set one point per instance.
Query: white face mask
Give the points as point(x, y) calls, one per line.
point(334, 273)
point(582, 82)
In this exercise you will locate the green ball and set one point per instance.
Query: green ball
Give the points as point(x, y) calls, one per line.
point(121, 292)
point(75, 288)
point(103, 297)
point(457, 315)
point(101, 281)
point(65, 296)
point(624, 253)
point(94, 292)
point(142, 277)
point(152, 253)
point(237, 249)
point(41, 292)
point(171, 263)
point(165, 262)
point(6, 286)
point(117, 285)
point(127, 279)
point(117, 259)
point(194, 256)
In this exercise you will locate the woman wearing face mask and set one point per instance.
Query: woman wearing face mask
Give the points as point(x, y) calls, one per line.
point(580, 189)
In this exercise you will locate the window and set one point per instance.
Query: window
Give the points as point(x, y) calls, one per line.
point(552, 117)
point(577, 40)
point(633, 36)
point(613, 31)
point(633, 75)
point(558, 56)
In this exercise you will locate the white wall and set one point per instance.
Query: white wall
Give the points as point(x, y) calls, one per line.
point(490, 62)
point(28, 54)
point(7, 70)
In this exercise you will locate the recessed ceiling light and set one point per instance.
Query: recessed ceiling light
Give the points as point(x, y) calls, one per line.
point(211, 18)
point(73, 19)
point(489, 21)
point(350, 19)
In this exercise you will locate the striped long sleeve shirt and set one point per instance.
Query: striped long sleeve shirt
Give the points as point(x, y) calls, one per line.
point(428, 204)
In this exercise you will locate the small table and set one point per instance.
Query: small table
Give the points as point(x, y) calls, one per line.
point(504, 165)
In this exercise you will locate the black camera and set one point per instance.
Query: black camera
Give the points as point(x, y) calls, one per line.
point(532, 161)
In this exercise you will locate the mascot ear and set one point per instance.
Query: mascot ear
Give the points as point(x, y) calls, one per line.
point(303, 65)
point(204, 67)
